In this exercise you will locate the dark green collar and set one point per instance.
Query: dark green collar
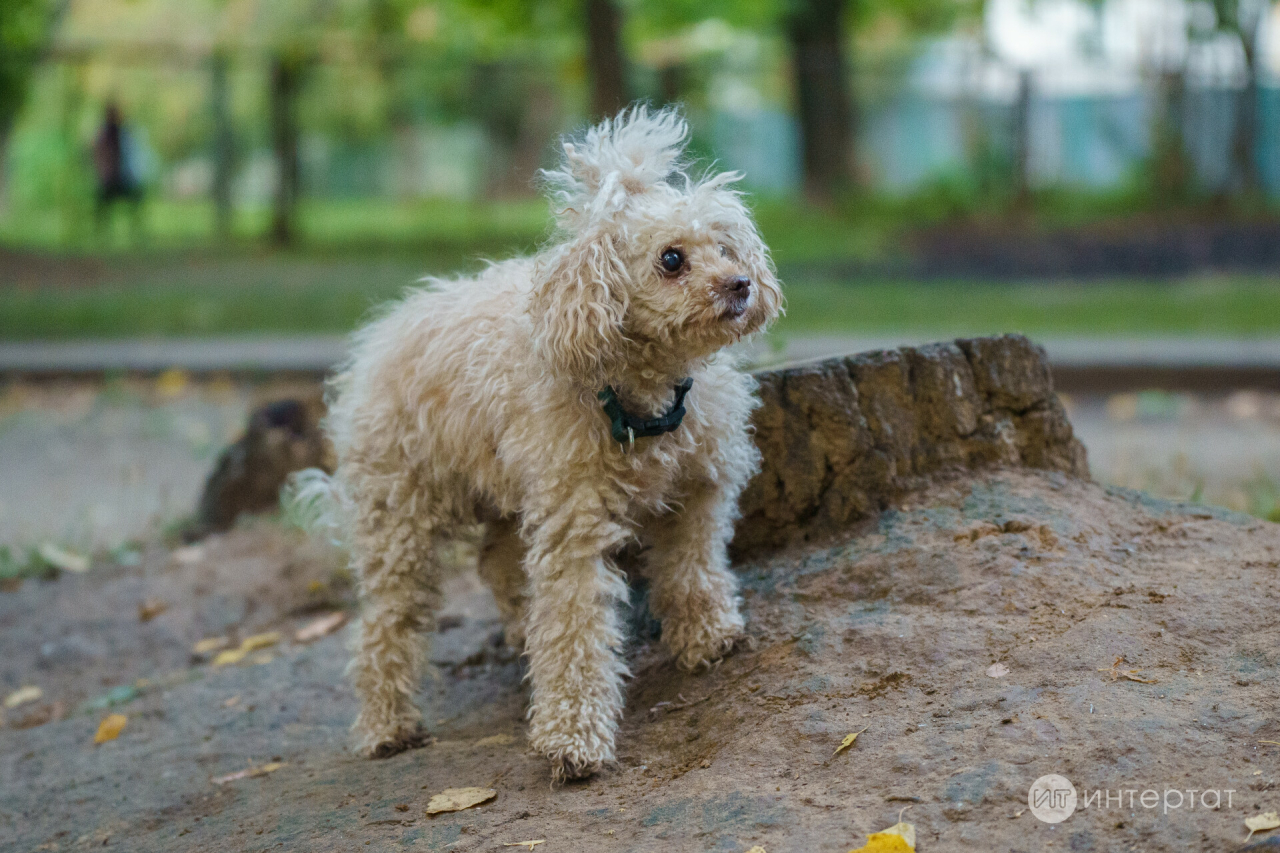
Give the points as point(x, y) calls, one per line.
point(627, 427)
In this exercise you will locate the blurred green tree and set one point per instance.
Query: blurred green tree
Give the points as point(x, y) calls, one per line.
point(25, 29)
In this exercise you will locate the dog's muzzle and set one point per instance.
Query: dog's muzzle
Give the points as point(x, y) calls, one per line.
point(735, 293)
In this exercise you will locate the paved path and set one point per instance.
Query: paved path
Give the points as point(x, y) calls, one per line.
point(317, 354)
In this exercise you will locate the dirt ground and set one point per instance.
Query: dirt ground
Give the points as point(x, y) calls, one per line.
point(893, 629)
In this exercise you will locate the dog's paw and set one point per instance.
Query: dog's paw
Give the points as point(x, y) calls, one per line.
point(705, 643)
point(412, 737)
point(566, 769)
point(574, 756)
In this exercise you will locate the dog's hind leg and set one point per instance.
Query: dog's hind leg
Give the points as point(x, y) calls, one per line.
point(399, 587)
point(574, 631)
point(500, 565)
point(692, 589)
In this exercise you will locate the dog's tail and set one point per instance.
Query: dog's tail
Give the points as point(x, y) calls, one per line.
point(315, 501)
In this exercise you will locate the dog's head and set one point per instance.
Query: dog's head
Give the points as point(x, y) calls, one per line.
point(651, 259)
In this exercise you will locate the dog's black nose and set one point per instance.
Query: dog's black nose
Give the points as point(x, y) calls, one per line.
point(738, 285)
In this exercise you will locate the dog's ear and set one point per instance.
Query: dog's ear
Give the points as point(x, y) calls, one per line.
point(578, 303)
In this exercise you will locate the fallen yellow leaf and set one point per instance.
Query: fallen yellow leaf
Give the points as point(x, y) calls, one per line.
point(110, 728)
point(1261, 823)
point(496, 740)
point(229, 657)
point(248, 773)
point(61, 558)
point(899, 838)
point(22, 696)
point(172, 382)
point(845, 744)
point(457, 799)
point(757, 849)
point(210, 645)
point(321, 627)
point(260, 641)
point(528, 844)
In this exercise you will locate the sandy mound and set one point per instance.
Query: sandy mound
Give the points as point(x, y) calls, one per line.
point(892, 627)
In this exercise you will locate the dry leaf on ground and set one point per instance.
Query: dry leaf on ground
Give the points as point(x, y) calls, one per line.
point(23, 695)
point(457, 799)
point(110, 728)
point(209, 645)
point(321, 626)
point(172, 382)
point(899, 838)
point(61, 558)
point(528, 844)
point(496, 740)
point(260, 641)
point(848, 741)
point(229, 657)
point(757, 849)
point(151, 608)
point(1261, 823)
point(997, 670)
point(248, 773)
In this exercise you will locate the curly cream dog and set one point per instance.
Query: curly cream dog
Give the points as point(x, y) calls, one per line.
point(479, 399)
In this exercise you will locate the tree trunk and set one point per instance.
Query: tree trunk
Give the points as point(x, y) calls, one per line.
point(1172, 166)
point(1022, 141)
point(606, 63)
point(286, 76)
point(223, 152)
point(6, 132)
point(825, 106)
point(1244, 145)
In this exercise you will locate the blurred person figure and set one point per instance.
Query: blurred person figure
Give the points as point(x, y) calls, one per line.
point(115, 164)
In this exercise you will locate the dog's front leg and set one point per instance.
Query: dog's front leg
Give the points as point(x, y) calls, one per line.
point(693, 592)
point(574, 635)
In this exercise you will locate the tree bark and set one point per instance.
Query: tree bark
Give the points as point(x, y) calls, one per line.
point(823, 100)
point(223, 143)
point(286, 77)
point(606, 62)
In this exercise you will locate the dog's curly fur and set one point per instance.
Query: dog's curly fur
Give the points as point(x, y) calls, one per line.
point(475, 400)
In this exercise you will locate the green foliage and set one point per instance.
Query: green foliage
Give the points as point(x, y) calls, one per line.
point(24, 26)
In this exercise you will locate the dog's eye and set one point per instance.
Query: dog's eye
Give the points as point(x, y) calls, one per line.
point(672, 261)
point(724, 250)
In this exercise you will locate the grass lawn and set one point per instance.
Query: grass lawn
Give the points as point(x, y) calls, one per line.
point(302, 296)
point(357, 254)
